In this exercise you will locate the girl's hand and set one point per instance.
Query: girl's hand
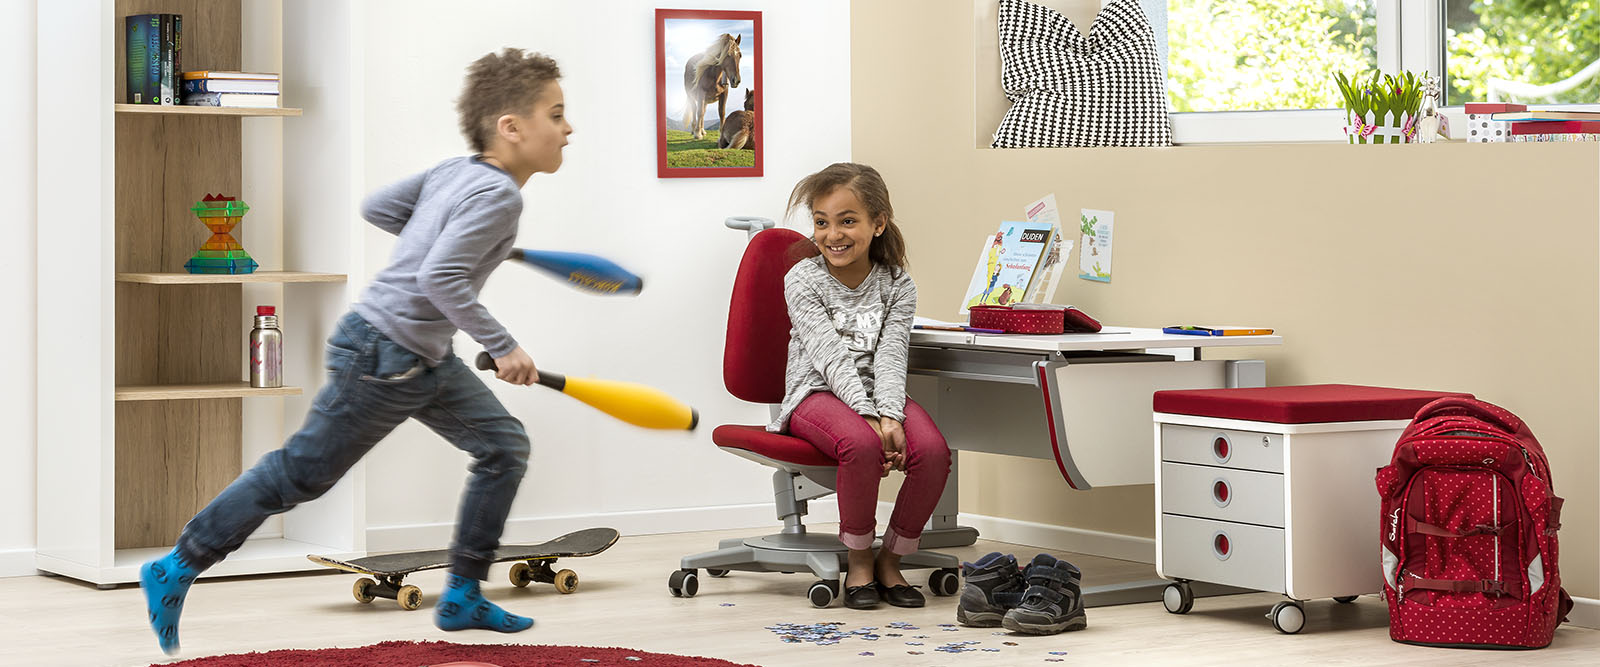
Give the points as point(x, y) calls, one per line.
point(894, 444)
point(888, 460)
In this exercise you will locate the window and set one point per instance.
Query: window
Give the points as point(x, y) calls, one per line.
point(1266, 55)
point(1533, 51)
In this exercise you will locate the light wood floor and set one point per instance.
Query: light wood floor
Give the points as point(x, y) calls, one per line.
point(623, 601)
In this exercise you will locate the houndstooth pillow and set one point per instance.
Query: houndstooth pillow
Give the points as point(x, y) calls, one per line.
point(1107, 89)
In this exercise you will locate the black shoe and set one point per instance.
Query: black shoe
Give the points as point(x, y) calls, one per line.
point(1053, 602)
point(902, 595)
point(864, 596)
point(994, 586)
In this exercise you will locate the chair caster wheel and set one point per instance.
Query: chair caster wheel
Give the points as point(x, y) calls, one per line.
point(822, 593)
point(716, 573)
point(1178, 598)
point(684, 583)
point(945, 582)
point(1346, 599)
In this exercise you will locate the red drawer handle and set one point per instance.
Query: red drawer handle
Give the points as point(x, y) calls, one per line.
point(1220, 546)
point(1221, 492)
point(1221, 448)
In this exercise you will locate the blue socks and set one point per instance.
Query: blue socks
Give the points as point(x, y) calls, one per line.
point(166, 582)
point(462, 607)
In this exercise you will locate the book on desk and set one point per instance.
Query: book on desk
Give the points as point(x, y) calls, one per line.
point(1192, 330)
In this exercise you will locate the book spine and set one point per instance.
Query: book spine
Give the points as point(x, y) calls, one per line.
point(132, 39)
point(177, 50)
point(152, 58)
point(203, 99)
point(166, 59)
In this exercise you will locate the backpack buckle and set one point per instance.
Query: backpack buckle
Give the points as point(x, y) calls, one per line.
point(1493, 587)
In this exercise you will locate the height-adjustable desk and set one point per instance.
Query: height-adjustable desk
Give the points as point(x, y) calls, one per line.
point(1079, 400)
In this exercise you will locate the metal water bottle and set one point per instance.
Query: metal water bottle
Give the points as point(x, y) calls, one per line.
point(266, 349)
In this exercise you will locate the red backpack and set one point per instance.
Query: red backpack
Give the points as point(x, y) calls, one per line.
point(1469, 531)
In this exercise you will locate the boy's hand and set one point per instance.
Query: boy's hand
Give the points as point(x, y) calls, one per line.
point(894, 443)
point(516, 368)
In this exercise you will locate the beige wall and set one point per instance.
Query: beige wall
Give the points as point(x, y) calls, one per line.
point(1461, 267)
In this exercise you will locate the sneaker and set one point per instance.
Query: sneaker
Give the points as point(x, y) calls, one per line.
point(1053, 601)
point(993, 586)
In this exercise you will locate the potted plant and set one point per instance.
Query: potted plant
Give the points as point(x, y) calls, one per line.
point(1380, 108)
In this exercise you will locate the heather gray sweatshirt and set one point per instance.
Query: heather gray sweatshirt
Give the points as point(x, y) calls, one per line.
point(456, 222)
point(851, 342)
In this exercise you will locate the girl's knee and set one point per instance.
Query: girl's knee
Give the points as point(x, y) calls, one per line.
point(930, 452)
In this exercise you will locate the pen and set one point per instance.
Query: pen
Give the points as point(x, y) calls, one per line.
point(987, 331)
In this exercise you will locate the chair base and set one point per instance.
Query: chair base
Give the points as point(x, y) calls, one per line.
point(823, 555)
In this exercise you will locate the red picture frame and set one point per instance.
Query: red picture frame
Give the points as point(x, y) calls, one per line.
point(716, 44)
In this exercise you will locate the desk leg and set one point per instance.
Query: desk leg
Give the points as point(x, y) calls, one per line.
point(941, 530)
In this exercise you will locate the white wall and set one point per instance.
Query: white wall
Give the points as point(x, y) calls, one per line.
point(605, 199)
point(18, 264)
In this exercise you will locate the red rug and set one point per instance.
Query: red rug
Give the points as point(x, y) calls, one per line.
point(422, 654)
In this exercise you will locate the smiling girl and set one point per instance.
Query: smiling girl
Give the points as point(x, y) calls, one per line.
point(845, 387)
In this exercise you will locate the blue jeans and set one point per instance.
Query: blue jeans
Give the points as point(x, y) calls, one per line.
point(374, 385)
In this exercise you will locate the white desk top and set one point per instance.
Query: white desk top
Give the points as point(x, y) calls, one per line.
point(1109, 338)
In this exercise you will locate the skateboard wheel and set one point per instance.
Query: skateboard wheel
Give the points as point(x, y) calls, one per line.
point(566, 581)
point(363, 590)
point(409, 597)
point(521, 575)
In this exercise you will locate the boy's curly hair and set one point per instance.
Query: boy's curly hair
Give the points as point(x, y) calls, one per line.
point(497, 84)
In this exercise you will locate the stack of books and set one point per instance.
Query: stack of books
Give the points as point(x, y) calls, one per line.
point(1541, 126)
point(254, 90)
point(155, 56)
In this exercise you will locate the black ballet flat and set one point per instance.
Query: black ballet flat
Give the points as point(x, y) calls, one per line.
point(861, 597)
point(902, 595)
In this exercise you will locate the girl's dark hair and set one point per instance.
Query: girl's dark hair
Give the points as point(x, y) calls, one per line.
point(867, 184)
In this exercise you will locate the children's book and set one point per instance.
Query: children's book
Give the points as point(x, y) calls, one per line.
point(1048, 275)
point(1007, 264)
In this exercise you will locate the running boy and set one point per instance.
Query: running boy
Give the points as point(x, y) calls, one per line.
point(390, 358)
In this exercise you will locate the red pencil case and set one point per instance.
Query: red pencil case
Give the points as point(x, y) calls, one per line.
point(1032, 321)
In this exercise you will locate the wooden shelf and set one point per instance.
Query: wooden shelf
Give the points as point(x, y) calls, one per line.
point(224, 278)
point(184, 110)
point(181, 392)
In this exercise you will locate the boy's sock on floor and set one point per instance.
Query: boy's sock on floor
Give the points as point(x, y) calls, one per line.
point(165, 582)
point(462, 608)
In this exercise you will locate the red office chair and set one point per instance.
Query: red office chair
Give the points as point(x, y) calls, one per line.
point(753, 365)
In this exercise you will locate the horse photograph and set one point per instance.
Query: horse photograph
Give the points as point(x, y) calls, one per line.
point(708, 71)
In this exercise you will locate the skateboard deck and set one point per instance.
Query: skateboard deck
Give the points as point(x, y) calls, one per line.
point(386, 573)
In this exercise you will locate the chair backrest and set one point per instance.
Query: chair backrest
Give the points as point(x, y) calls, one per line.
point(757, 347)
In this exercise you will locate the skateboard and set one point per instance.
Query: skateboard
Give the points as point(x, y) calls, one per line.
point(387, 573)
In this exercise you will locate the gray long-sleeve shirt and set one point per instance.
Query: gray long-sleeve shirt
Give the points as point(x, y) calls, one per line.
point(852, 342)
point(455, 223)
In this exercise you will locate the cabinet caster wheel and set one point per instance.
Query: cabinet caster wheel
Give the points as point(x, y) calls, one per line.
point(1346, 599)
point(566, 581)
point(521, 575)
point(1288, 617)
point(363, 590)
point(409, 597)
point(945, 582)
point(1178, 598)
point(822, 593)
point(716, 573)
point(684, 583)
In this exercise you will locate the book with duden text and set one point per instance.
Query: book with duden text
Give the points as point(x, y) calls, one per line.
point(1007, 264)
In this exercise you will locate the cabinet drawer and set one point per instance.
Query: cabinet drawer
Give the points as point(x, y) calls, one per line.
point(1233, 554)
point(1222, 493)
point(1246, 450)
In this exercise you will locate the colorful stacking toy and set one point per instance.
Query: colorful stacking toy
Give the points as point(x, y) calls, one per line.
point(221, 253)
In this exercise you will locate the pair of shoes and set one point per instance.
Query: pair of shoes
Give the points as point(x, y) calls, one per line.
point(1053, 601)
point(902, 595)
point(1043, 598)
point(864, 596)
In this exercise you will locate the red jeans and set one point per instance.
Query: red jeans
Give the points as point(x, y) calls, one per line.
point(831, 426)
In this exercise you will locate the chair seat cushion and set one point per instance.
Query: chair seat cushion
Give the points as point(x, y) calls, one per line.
point(1301, 404)
point(758, 440)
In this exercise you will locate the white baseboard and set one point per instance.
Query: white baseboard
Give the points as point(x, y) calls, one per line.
point(1062, 538)
point(17, 563)
point(641, 522)
point(1585, 613)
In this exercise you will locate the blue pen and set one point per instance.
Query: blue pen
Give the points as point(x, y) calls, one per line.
point(987, 331)
point(1188, 331)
